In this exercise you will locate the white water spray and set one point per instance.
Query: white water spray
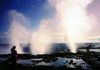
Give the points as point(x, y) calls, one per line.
point(72, 25)
point(17, 33)
point(41, 39)
point(74, 19)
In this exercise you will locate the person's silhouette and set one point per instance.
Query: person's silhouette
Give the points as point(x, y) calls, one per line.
point(13, 57)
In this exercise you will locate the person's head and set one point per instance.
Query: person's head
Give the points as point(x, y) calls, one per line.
point(14, 47)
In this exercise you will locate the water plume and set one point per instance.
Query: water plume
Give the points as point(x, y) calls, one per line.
point(41, 39)
point(74, 20)
point(17, 32)
point(72, 24)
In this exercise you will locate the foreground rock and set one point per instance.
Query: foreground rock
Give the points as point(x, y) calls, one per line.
point(57, 60)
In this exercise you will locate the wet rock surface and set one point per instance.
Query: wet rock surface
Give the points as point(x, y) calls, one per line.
point(57, 60)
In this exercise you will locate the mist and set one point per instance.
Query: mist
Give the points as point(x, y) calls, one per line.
point(71, 24)
point(73, 18)
point(18, 34)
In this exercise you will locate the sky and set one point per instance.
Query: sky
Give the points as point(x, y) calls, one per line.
point(35, 11)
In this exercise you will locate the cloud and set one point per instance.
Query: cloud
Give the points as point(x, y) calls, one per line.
point(4, 35)
point(1, 36)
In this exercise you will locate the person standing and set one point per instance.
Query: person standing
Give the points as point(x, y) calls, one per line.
point(13, 57)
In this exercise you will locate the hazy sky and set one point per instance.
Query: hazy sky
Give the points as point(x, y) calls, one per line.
point(34, 11)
